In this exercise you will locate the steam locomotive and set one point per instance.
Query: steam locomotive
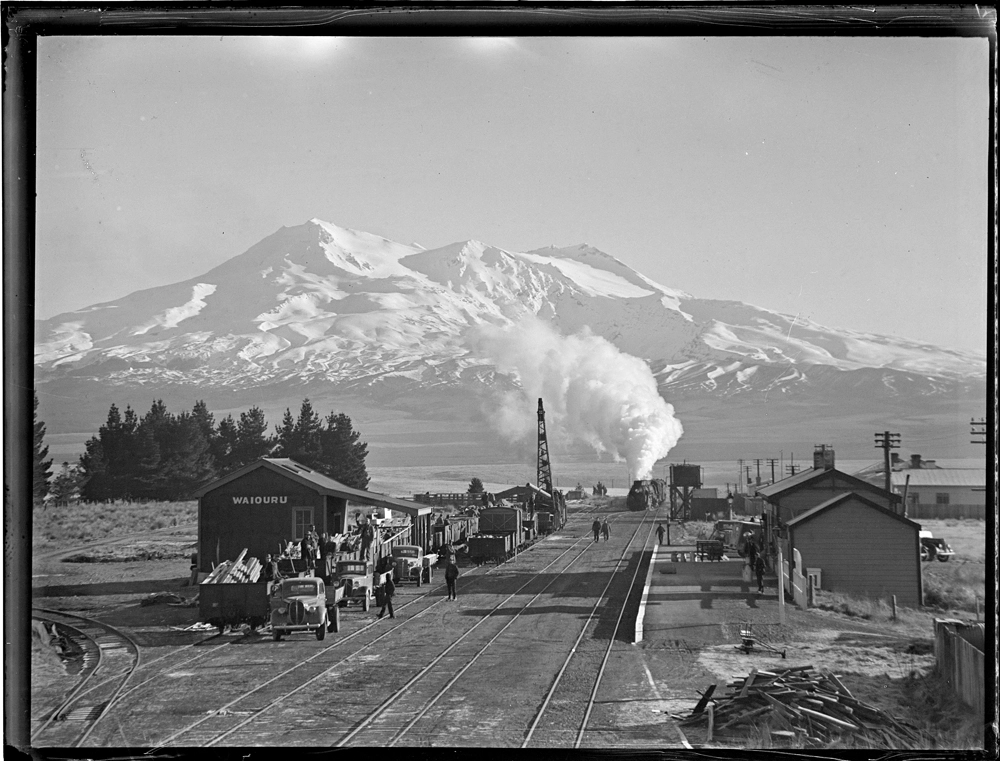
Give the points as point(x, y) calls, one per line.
point(647, 495)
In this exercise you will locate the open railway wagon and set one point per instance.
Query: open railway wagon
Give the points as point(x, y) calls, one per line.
point(647, 494)
point(501, 533)
point(454, 530)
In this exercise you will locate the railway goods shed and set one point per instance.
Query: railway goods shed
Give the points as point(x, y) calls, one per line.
point(267, 503)
point(859, 548)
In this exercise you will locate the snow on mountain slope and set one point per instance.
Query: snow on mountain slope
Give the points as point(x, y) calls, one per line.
point(321, 303)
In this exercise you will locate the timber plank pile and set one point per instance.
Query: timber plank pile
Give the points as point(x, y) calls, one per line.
point(801, 704)
point(236, 571)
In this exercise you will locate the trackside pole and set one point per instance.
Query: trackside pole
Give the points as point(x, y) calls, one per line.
point(781, 588)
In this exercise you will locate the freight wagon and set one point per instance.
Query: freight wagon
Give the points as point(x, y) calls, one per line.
point(496, 548)
point(647, 494)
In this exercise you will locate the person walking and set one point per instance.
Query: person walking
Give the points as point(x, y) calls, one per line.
point(751, 549)
point(597, 530)
point(660, 532)
point(450, 577)
point(759, 568)
point(388, 590)
point(606, 530)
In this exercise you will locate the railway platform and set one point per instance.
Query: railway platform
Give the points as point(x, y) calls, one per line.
point(684, 596)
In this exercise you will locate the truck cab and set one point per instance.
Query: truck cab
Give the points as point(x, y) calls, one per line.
point(356, 579)
point(409, 564)
point(301, 605)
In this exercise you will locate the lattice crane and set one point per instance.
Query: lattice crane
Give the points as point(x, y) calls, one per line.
point(544, 478)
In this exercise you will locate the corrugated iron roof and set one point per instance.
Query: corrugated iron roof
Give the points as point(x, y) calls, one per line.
point(940, 477)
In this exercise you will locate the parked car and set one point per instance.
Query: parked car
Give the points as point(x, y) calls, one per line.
point(357, 580)
point(409, 563)
point(932, 548)
point(304, 604)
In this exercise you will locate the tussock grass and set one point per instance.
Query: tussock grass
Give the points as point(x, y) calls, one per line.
point(91, 522)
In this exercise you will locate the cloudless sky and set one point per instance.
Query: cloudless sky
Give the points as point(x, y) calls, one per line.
point(840, 179)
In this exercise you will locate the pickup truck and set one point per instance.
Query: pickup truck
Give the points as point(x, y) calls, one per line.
point(410, 563)
point(304, 604)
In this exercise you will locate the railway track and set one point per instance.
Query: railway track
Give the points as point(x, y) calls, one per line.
point(290, 684)
point(557, 727)
point(106, 652)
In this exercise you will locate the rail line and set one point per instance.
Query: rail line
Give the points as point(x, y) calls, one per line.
point(224, 712)
point(403, 691)
point(573, 651)
point(104, 648)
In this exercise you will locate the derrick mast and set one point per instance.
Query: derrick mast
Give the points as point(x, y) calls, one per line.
point(544, 478)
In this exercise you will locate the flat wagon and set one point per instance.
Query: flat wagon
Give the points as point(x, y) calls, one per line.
point(223, 605)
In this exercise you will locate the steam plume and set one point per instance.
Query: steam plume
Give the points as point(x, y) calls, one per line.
point(593, 393)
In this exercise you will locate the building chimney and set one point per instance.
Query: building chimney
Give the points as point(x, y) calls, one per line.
point(822, 457)
point(914, 461)
point(894, 459)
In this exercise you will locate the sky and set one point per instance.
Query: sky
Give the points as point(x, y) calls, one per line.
point(843, 180)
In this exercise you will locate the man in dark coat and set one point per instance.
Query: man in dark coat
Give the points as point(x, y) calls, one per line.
point(450, 577)
point(597, 530)
point(659, 532)
point(759, 568)
point(367, 538)
point(388, 590)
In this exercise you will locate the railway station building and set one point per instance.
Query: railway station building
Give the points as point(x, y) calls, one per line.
point(790, 497)
point(266, 504)
point(854, 545)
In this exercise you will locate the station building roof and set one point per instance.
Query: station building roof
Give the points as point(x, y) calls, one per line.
point(319, 483)
point(840, 499)
point(807, 477)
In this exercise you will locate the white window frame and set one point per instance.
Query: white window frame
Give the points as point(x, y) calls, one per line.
point(296, 511)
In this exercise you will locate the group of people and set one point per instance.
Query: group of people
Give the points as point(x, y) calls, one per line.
point(600, 490)
point(601, 529)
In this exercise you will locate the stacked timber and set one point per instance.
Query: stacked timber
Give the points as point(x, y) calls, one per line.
point(236, 571)
point(798, 703)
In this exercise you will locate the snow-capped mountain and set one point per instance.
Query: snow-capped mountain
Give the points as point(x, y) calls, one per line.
point(319, 305)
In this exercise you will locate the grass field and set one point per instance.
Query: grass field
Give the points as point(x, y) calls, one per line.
point(90, 522)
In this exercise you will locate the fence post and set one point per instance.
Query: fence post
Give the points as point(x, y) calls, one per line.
point(894, 607)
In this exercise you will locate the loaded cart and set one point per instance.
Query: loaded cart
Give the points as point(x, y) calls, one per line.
point(223, 605)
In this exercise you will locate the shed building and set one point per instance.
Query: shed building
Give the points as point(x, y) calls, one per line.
point(942, 493)
point(793, 496)
point(267, 503)
point(860, 547)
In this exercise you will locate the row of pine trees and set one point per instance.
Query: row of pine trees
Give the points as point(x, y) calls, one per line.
point(163, 456)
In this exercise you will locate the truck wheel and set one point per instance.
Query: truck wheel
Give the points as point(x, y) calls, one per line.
point(321, 631)
point(276, 634)
point(943, 558)
point(367, 602)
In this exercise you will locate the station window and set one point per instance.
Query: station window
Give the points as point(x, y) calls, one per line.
point(302, 519)
point(941, 498)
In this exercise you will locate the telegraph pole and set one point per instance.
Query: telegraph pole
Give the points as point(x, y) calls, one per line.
point(978, 429)
point(791, 468)
point(886, 441)
point(740, 476)
point(771, 461)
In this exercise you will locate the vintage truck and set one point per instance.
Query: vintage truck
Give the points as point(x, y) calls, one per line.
point(934, 548)
point(409, 563)
point(357, 579)
point(304, 604)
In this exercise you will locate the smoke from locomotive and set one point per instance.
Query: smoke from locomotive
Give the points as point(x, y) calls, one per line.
point(594, 393)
